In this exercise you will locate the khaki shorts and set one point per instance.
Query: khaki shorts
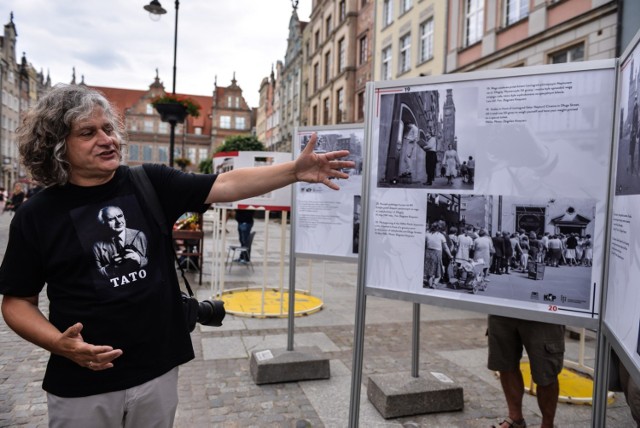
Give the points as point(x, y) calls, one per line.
point(544, 344)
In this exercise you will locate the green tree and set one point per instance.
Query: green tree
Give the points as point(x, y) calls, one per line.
point(239, 143)
point(206, 166)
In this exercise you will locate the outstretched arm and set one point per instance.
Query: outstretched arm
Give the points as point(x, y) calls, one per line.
point(309, 166)
point(24, 317)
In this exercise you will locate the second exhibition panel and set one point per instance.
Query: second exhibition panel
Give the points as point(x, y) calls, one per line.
point(510, 169)
point(327, 222)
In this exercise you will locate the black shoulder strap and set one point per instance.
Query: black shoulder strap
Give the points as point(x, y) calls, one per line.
point(143, 185)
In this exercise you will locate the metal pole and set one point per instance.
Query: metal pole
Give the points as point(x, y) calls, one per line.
point(172, 136)
point(175, 48)
point(172, 141)
point(415, 341)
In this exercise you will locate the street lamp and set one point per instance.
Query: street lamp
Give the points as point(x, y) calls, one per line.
point(155, 10)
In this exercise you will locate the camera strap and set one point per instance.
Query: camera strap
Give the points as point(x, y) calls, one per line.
point(145, 189)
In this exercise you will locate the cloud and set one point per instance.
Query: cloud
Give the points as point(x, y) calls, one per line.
point(115, 43)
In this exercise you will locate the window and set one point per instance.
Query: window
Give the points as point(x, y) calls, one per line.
point(360, 106)
point(197, 130)
point(149, 109)
point(225, 122)
point(229, 101)
point(426, 40)
point(405, 54)
point(307, 49)
point(203, 154)
point(342, 8)
point(133, 126)
point(573, 53)
point(316, 38)
point(163, 128)
point(326, 105)
point(163, 154)
point(339, 105)
point(327, 67)
point(147, 153)
point(134, 152)
point(386, 63)
point(316, 76)
point(515, 10)
point(474, 21)
point(237, 102)
point(314, 115)
point(364, 45)
point(191, 154)
point(240, 123)
point(387, 12)
point(148, 126)
point(341, 55)
point(405, 5)
point(328, 26)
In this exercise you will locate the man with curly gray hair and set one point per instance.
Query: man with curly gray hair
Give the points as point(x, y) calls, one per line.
point(117, 337)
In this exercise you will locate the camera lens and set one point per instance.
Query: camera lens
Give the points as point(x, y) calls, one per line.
point(211, 312)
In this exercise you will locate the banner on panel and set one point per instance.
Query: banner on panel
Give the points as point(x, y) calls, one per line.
point(327, 223)
point(492, 190)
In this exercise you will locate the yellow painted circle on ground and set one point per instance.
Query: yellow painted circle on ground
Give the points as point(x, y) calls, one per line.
point(575, 387)
point(270, 303)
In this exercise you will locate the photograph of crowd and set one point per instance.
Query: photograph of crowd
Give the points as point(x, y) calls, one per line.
point(335, 140)
point(510, 247)
point(628, 170)
point(419, 146)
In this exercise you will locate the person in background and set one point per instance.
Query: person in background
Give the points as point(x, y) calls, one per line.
point(245, 224)
point(451, 163)
point(545, 347)
point(483, 250)
point(116, 342)
point(435, 245)
point(431, 157)
point(16, 199)
point(471, 167)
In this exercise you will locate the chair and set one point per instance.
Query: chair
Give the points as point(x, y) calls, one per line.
point(189, 247)
point(235, 251)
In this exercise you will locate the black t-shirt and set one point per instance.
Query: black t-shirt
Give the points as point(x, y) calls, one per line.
point(244, 216)
point(55, 238)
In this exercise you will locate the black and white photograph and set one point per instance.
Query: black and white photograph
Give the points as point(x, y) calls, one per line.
point(421, 145)
point(538, 249)
point(357, 209)
point(628, 169)
point(113, 235)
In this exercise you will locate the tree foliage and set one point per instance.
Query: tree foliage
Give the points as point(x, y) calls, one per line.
point(239, 143)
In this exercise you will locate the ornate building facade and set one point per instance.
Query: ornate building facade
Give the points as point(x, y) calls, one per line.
point(487, 34)
point(148, 137)
point(230, 114)
point(20, 86)
point(337, 61)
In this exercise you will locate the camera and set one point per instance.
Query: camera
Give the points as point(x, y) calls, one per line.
point(207, 312)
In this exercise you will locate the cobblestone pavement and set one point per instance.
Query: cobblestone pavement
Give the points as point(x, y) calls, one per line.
point(216, 389)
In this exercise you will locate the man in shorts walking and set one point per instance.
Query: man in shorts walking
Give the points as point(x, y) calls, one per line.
point(544, 344)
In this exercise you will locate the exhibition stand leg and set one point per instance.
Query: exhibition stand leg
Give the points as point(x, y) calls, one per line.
point(396, 394)
point(286, 364)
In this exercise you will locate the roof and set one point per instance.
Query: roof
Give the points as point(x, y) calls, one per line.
point(124, 99)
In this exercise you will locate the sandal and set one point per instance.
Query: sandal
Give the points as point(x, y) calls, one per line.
point(511, 423)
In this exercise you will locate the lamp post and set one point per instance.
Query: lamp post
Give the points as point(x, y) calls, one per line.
point(155, 10)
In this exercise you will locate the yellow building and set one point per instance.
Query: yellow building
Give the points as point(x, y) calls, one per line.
point(409, 38)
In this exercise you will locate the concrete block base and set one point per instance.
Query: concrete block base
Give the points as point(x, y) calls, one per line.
point(280, 365)
point(395, 395)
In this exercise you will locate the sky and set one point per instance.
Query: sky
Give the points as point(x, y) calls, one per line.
point(114, 43)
